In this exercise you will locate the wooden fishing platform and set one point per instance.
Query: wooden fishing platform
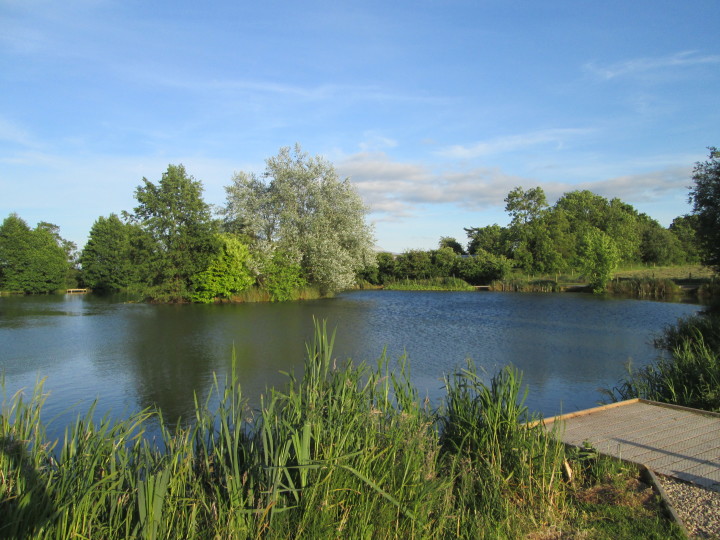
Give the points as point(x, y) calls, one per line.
point(675, 441)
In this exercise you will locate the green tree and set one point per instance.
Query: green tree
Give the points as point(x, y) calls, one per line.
point(444, 261)
point(483, 268)
point(282, 276)
point(32, 260)
point(525, 206)
point(705, 198)
point(659, 245)
point(530, 244)
point(179, 231)
point(491, 238)
point(105, 259)
point(229, 271)
point(301, 207)
point(585, 210)
point(414, 264)
point(684, 228)
point(598, 258)
point(452, 243)
point(387, 267)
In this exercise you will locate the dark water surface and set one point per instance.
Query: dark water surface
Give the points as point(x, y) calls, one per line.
point(131, 356)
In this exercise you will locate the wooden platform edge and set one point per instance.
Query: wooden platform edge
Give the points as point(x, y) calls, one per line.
point(680, 408)
point(584, 412)
point(649, 477)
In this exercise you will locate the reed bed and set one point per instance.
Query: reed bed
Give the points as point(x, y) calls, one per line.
point(344, 451)
point(525, 285)
point(431, 284)
point(645, 287)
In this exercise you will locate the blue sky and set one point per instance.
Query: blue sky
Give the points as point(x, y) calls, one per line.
point(435, 110)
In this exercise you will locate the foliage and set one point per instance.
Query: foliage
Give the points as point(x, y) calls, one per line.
point(282, 277)
point(483, 268)
point(32, 260)
point(525, 206)
point(178, 239)
point(414, 264)
point(598, 258)
point(387, 267)
point(689, 375)
point(684, 228)
point(302, 208)
point(228, 273)
point(492, 238)
point(542, 239)
point(452, 243)
point(705, 198)
point(444, 261)
point(105, 259)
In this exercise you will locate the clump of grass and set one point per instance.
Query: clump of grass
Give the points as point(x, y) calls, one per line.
point(432, 284)
point(507, 468)
point(645, 287)
point(519, 284)
point(688, 374)
point(259, 294)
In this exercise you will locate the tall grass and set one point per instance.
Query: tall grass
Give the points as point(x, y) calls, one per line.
point(431, 284)
point(688, 374)
point(522, 284)
point(645, 287)
point(347, 450)
point(259, 294)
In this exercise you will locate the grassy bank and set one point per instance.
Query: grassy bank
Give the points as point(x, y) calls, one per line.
point(346, 451)
point(656, 283)
point(432, 284)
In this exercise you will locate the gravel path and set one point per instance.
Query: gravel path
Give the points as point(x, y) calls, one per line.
point(698, 507)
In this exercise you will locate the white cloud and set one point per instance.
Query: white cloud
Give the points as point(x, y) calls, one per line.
point(643, 187)
point(396, 190)
point(509, 143)
point(641, 65)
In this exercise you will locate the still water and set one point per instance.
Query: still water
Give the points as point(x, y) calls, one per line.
point(131, 356)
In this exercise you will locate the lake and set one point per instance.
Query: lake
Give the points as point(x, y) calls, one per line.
point(130, 356)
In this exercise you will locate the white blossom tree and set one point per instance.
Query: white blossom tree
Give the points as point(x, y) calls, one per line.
point(300, 206)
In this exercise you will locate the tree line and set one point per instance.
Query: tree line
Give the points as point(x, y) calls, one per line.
point(298, 226)
point(582, 233)
point(295, 226)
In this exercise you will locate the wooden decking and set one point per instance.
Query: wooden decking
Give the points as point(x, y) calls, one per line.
point(674, 441)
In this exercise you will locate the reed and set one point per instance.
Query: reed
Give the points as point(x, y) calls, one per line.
point(687, 374)
point(519, 284)
point(645, 287)
point(432, 284)
point(346, 450)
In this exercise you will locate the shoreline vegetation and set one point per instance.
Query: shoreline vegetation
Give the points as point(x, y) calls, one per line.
point(298, 230)
point(686, 282)
point(346, 450)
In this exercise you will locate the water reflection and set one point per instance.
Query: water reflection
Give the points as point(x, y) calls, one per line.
point(132, 356)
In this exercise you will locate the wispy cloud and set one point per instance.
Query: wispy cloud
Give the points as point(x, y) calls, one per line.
point(643, 187)
point(556, 137)
point(396, 190)
point(12, 133)
point(643, 65)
